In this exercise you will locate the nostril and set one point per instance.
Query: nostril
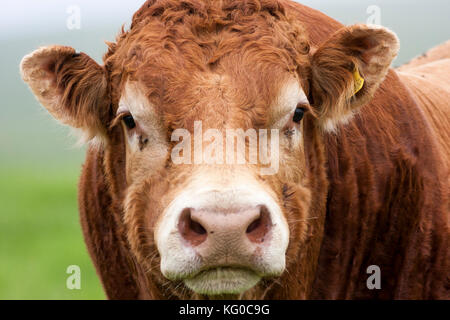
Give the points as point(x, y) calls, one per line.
point(258, 230)
point(192, 231)
point(197, 227)
point(254, 225)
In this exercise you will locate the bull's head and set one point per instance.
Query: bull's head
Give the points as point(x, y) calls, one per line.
point(211, 117)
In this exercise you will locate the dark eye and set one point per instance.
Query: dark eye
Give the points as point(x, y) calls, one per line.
point(298, 114)
point(129, 121)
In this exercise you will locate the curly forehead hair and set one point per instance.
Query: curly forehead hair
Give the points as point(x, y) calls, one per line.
point(199, 34)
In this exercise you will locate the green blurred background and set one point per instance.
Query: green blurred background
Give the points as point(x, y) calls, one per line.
point(40, 235)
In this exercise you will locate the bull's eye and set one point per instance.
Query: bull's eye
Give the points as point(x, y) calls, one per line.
point(129, 121)
point(298, 114)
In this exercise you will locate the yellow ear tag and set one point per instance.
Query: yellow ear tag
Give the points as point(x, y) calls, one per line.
point(358, 81)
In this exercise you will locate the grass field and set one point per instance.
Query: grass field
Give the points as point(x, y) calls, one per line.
point(40, 235)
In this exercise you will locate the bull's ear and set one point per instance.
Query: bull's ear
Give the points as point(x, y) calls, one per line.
point(348, 68)
point(71, 86)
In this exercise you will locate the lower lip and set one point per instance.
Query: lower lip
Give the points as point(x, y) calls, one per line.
point(222, 280)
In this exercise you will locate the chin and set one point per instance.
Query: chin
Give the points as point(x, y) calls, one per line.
point(222, 281)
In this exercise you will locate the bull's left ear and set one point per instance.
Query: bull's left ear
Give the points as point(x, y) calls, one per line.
point(348, 68)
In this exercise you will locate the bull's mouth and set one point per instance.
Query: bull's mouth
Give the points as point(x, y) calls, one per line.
point(222, 280)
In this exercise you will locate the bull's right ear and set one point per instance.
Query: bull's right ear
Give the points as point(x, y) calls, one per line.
point(71, 86)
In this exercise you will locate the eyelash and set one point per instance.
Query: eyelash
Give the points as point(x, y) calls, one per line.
point(129, 121)
point(299, 113)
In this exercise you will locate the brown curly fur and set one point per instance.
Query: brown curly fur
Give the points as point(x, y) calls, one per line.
point(378, 189)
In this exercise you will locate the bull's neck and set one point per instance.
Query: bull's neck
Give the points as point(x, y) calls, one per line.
point(382, 187)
